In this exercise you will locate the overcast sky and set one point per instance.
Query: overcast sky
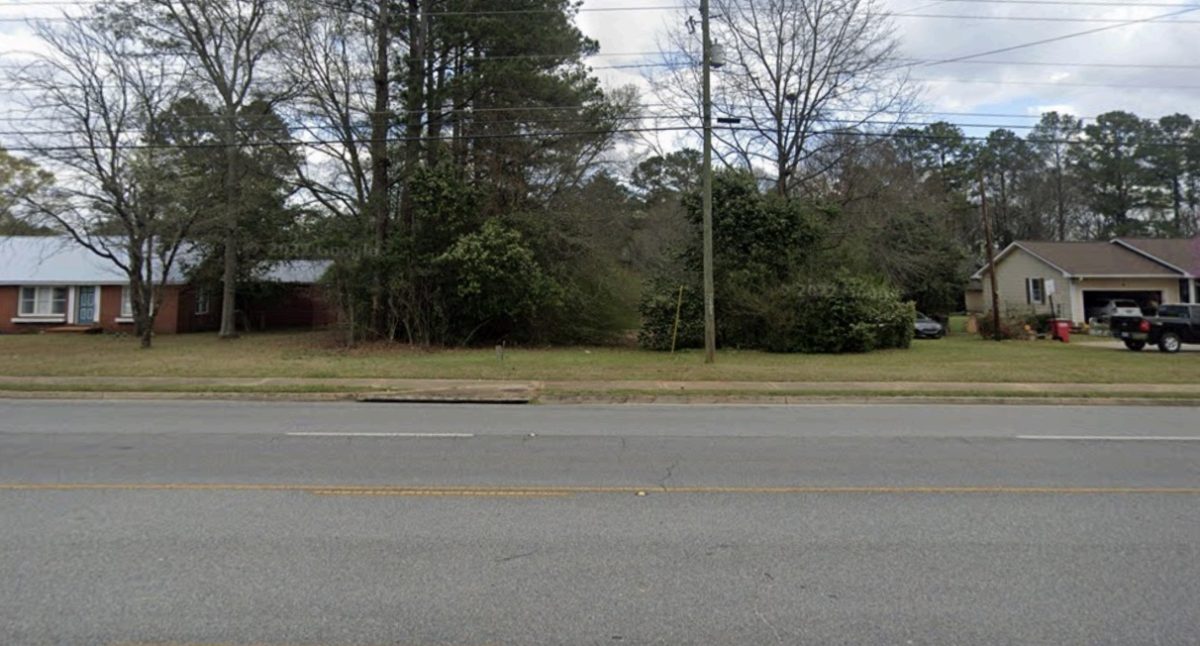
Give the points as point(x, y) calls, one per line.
point(930, 31)
point(1014, 87)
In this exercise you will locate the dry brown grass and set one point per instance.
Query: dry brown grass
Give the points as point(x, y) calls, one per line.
point(313, 355)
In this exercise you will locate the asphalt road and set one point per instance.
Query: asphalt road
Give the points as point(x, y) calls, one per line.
point(240, 523)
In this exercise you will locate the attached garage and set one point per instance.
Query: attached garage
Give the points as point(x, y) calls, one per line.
point(1094, 300)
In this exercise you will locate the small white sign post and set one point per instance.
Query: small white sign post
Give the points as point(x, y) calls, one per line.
point(1049, 284)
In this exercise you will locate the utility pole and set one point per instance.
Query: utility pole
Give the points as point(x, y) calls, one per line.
point(991, 256)
point(710, 325)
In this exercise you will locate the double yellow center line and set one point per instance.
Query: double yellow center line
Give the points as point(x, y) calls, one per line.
point(490, 491)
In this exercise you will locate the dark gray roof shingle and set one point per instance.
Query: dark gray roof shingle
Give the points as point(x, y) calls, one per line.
point(1096, 259)
point(1183, 253)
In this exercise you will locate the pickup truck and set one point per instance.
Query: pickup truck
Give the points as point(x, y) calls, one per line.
point(1174, 326)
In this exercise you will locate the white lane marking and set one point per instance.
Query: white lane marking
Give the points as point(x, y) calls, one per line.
point(414, 435)
point(1113, 438)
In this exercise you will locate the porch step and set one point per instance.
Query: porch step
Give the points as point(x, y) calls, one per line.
point(74, 329)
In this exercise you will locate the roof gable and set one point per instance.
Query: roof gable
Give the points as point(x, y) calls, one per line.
point(1088, 259)
point(1182, 254)
point(1015, 247)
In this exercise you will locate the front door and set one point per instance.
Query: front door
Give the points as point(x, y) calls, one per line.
point(85, 312)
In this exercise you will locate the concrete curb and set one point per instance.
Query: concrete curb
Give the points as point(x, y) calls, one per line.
point(601, 399)
point(914, 400)
point(168, 396)
point(418, 398)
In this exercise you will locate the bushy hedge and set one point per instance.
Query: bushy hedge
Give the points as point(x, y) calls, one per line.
point(840, 315)
point(765, 251)
point(835, 316)
point(658, 306)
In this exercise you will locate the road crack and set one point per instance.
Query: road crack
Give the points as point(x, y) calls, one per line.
point(514, 557)
point(662, 484)
point(774, 630)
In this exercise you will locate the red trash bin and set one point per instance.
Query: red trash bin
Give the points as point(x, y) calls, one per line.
point(1062, 330)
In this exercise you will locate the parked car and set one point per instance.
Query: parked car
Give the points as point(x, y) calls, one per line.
point(1174, 326)
point(1119, 307)
point(927, 328)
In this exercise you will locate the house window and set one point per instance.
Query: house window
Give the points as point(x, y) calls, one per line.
point(1185, 291)
point(202, 304)
point(1035, 290)
point(43, 301)
point(126, 302)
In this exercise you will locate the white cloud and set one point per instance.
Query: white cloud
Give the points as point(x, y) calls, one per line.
point(1050, 82)
point(985, 87)
point(957, 87)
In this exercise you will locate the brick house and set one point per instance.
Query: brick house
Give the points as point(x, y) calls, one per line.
point(51, 282)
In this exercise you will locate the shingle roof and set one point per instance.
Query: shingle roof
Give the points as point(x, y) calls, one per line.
point(1095, 259)
point(1182, 253)
point(32, 260)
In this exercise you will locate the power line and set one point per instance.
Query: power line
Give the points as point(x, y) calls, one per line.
point(919, 61)
point(41, 60)
point(976, 81)
point(1148, 66)
point(1127, 86)
point(1080, 3)
point(486, 12)
point(1055, 39)
point(942, 16)
point(829, 132)
point(904, 14)
point(1063, 3)
point(310, 143)
point(928, 113)
point(319, 129)
point(683, 63)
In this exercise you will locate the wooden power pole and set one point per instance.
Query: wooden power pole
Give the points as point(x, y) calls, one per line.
point(710, 325)
point(991, 256)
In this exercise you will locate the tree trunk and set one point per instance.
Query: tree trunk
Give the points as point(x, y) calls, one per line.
point(414, 117)
point(1061, 199)
point(138, 303)
point(377, 199)
point(458, 101)
point(1177, 203)
point(229, 275)
point(436, 81)
point(414, 101)
point(141, 301)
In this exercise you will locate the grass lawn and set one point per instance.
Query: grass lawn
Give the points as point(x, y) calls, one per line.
point(958, 358)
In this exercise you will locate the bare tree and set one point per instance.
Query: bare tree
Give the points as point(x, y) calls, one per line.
point(227, 43)
point(332, 51)
point(338, 60)
point(797, 72)
point(102, 97)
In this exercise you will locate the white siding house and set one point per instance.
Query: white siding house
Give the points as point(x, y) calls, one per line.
point(1073, 280)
